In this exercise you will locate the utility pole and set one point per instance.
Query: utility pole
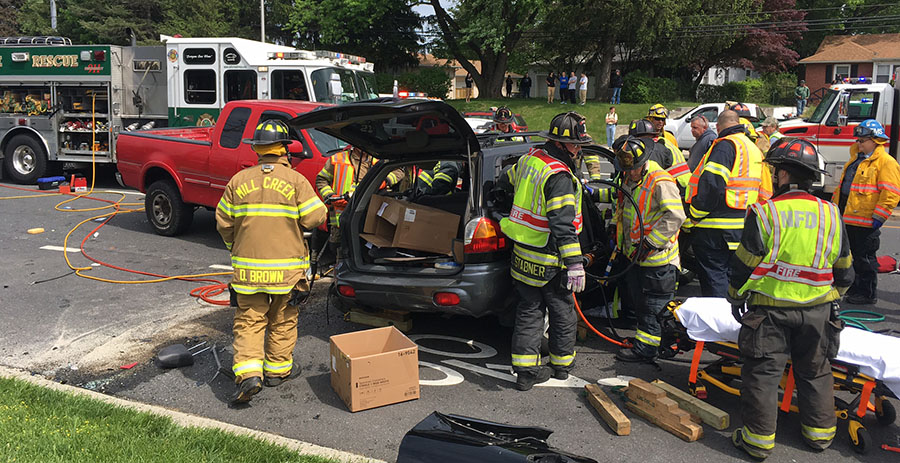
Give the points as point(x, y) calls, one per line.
point(53, 15)
point(262, 20)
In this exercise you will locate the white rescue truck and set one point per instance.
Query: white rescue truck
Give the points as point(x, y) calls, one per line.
point(842, 108)
point(66, 104)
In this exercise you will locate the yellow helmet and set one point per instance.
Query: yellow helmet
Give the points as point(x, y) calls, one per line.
point(749, 130)
point(658, 111)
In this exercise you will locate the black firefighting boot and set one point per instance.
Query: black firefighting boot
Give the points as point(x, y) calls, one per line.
point(275, 381)
point(246, 390)
point(525, 380)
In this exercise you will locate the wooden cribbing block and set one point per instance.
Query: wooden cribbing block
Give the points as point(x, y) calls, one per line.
point(707, 413)
point(651, 403)
point(617, 421)
point(401, 320)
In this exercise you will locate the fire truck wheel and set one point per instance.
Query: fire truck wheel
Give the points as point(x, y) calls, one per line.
point(168, 214)
point(25, 159)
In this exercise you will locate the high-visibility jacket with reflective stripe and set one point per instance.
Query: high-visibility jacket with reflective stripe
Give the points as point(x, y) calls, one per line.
point(742, 182)
point(875, 190)
point(261, 218)
point(341, 173)
point(803, 238)
point(592, 162)
point(661, 212)
point(535, 258)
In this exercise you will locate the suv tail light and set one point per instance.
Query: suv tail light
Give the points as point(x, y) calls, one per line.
point(446, 299)
point(346, 291)
point(484, 235)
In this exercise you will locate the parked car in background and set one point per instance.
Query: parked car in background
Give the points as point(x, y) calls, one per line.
point(681, 126)
point(474, 278)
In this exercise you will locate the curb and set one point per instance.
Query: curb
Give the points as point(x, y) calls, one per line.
point(188, 420)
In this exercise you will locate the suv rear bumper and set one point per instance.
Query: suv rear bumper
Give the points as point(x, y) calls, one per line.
point(483, 289)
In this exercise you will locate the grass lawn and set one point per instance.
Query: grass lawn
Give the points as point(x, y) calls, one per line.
point(47, 426)
point(538, 113)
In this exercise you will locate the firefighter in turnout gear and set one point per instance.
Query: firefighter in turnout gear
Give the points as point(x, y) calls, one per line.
point(547, 267)
point(722, 187)
point(791, 267)
point(657, 116)
point(665, 153)
point(650, 284)
point(867, 194)
point(339, 177)
point(261, 217)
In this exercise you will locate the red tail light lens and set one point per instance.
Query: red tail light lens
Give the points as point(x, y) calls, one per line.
point(484, 235)
point(346, 291)
point(446, 299)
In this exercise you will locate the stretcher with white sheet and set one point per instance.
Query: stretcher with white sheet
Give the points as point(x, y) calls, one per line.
point(867, 364)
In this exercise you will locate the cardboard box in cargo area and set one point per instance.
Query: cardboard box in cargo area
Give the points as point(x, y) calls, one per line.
point(374, 367)
point(393, 223)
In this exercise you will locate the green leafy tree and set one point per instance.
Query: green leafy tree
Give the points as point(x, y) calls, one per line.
point(843, 17)
point(486, 31)
point(382, 31)
point(9, 25)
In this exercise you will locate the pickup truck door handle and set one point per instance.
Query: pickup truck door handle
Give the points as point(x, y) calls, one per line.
point(245, 165)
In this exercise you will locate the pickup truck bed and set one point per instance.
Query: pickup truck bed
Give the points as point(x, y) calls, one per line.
point(180, 169)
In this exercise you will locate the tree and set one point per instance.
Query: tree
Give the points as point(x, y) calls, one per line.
point(841, 17)
point(486, 31)
point(9, 25)
point(383, 31)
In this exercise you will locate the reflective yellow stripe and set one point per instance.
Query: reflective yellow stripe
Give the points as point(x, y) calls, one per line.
point(718, 169)
point(697, 213)
point(563, 361)
point(657, 238)
point(533, 256)
point(325, 191)
point(282, 367)
point(569, 250)
point(309, 206)
point(560, 201)
point(246, 289)
point(762, 441)
point(526, 279)
point(721, 223)
point(647, 338)
point(250, 366)
point(270, 264)
point(443, 176)
point(228, 245)
point(226, 207)
point(525, 360)
point(661, 258)
point(818, 434)
point(265, 210)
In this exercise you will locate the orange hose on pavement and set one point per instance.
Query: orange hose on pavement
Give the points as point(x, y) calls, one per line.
point(624, 344)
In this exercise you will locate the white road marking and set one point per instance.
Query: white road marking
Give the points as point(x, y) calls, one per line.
point(59, 248)
point(221, 267)
point(452, 378)
point(573, 381)
point(484, 351)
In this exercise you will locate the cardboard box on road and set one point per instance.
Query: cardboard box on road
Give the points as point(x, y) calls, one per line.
point(374, 367)
point(393, 223)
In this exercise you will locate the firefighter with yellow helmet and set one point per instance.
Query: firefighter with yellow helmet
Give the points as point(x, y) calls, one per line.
point(658, 115)
point(546, 267)
point(261, 217)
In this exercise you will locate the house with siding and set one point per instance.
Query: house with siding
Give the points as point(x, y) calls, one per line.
point(875, 57)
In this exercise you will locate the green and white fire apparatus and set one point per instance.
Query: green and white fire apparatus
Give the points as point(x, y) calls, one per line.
point(65, 104)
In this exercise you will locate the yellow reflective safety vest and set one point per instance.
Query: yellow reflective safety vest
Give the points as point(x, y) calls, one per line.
point(261, 217)
point(679, 168)
point(528, 224)
point(745, 178)
point(341, 178)
point(803, 236)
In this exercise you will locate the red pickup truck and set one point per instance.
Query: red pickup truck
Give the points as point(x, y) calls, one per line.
point(182, 168)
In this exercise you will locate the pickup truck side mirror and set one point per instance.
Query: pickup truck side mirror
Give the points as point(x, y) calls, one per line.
point(297, 150)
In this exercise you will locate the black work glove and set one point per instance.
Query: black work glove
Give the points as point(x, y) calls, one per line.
point(738, 308)
point(646, 249)
point(298, 297)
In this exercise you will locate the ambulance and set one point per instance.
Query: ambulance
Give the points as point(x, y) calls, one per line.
point(831, 123)
point(63, 105)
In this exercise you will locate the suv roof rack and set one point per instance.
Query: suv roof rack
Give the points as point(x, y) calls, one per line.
point(37, 40)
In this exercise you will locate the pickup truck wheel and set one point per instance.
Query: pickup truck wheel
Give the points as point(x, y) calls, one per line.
point(25, 159)
point(168, 214)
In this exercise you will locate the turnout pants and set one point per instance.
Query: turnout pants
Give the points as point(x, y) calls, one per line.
point(768, 337)
point(647, 291)
point(864, 244)
point(713, 256)
point(526, 342)
point(265, 333)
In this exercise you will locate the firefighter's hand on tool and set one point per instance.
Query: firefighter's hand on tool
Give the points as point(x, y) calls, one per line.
point(575, 280)
point(339, 203)
point(329, 198)
point(646, 249)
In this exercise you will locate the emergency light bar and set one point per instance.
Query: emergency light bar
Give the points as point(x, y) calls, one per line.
point(334, 55)
point(290, 55)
